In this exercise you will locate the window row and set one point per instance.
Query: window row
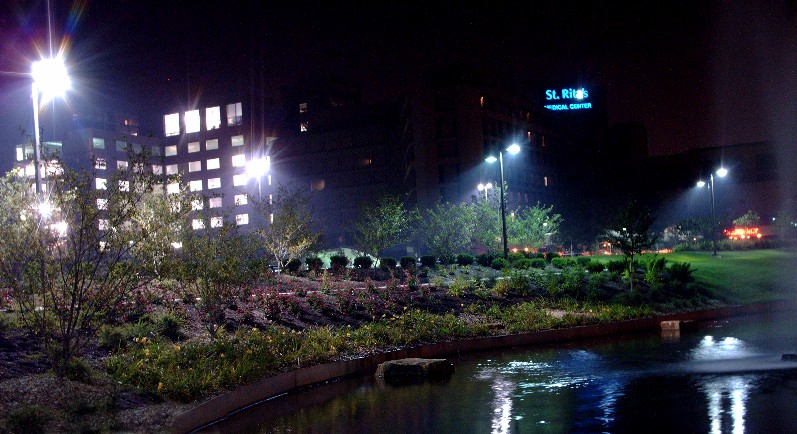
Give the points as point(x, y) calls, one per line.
point(192, 121)
point(172, 169)
point(196, 224)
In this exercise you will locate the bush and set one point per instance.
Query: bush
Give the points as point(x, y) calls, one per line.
point(428, 261)
point(583, 260)
point(170, 325)
point(407, 262)
point(293, 265)
point(338, 262)
point(465, 259)
point(538, 262)
point(314, 263)
point(27, 419)
point(387, 263)
point(499, 264)
point(447, 259)
point(617, 266)
point(681, 272)
point(363, 262)
point(485, 259)
point(595, 267)
point(78, 369)
point(550, 255)
point(522, 264)
point(516, 256)
point(562, 262)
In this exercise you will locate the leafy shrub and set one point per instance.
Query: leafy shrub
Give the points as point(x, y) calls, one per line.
point(465, 259)
point(583, 260)
point(681, 272)
point(499, 264)
point(338, 262)
point(314, 263)
point(517, 281)
point(387, 263)
point(515, 256)
point(27, 419)
point(485, 259)
point(523, 264)
point(617, 266)
point(78, 369)
point(363, 262)
point(550, 255)
point(447, 259)
point(540, 263)
point(562, 262)
point(293, 265)
point(407, 262)
point(428, 261)
point(655, 269)
point(461, 286)
point(170, 325)
point(595, 267)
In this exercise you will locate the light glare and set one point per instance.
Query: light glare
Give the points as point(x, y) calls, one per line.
point(50, 77)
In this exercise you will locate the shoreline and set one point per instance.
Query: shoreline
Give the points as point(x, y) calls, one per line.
point(222, 406)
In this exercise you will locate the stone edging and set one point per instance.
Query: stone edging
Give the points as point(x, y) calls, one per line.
point(222, 406)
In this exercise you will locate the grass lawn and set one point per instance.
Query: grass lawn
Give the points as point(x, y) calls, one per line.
point(748, 276)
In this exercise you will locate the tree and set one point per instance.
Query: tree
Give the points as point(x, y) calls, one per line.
point(290, 235)
point(447, 229)
point(72, 259)
point(383, 225)
point(533, 227)
point(217, 267)
point(486, 214)
point(631, 233)
point(748, 220)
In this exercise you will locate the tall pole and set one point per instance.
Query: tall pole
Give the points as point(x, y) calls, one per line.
point(503, 204)
point(37, 139)
point(713, 215)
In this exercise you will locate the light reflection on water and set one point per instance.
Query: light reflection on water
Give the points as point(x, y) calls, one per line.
point(726, 377)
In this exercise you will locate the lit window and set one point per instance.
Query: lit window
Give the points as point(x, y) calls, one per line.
point(171, 150)
point(216, 222)
point(20, 154)
point(121, 145)
point(192, 122)
point(239, 160)
point(103, 224)
point(121, 165)
point(213, 163)
point(171, 124)
point(193, 147)
point(214, 202)
point(194, 166)
point(156, 151)
point(212, 117)
point(101, 183)
point(124, 185)
point(214, 183)
point(171, 169)
point(304, 126)
point(545, 180)
point(234, 114)
point(98, 143)
point(157, 169)
point(100, 164)
point(195, 185)
point(237, 140)
point(211, 144)
point(242, 219)
point(241, 199)
point(303, 107)
point(197, 224)
point(197, 204)
point(102, 204)
point(240, 179)
point(173, 188)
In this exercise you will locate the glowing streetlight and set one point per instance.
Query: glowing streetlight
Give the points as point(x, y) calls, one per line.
point(256, 169)
point(512, 149)
point(485, 187)
point(50, 80)
point(721, 172)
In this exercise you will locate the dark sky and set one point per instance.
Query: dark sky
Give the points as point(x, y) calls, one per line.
point(694, 73)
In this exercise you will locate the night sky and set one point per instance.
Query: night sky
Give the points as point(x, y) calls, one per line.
point(694, 73)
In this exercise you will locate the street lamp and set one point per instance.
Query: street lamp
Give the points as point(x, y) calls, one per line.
point(721, 172)
point(50, 79)
point(513, 149)
point(256, 169)
point(485, 187)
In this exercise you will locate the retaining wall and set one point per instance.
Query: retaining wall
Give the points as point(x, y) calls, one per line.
point(222, 406)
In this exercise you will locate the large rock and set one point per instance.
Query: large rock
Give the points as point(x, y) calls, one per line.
point(414, 370)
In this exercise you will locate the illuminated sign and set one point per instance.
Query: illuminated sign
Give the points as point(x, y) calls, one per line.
point(743, 233)
point(567, 99)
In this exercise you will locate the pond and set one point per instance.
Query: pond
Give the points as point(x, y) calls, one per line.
point(725, 376)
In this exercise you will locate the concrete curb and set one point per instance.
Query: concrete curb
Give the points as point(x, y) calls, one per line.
point(223, 406)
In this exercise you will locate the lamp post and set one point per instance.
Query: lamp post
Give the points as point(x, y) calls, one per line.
point(513, 149)
point(50, 79)
point(257, 168)
point(721, 172)
point(484, 187)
